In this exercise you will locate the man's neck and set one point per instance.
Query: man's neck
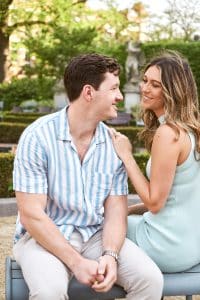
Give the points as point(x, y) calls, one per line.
point(82, 129)
point(82, 125)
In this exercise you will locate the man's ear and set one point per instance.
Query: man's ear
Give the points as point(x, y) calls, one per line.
point(88, 92)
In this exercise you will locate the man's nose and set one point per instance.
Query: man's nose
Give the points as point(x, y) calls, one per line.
point(119, 97)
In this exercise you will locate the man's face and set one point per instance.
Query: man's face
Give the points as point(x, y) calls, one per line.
point(107, 96)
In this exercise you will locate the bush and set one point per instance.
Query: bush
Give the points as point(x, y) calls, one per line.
point(11, 132)
point(19, 119)
point(23, 114)
point(6, 163)
point(19, 90)
point(132, 134)
point(141, 159)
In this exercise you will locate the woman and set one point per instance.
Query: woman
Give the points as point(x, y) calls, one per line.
point(169, 230)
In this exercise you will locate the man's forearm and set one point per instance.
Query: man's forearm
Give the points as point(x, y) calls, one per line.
point(45, 232)
point(114, 234)
point(115, 224)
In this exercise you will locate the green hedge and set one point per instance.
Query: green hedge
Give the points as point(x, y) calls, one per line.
point(10, 132)
point(6, 166)
point(190, 50)
point(23, 114)
point(132, 134)
point(19, 119)
point(19, 90)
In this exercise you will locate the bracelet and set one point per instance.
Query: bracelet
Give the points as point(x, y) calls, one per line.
point(111, 253)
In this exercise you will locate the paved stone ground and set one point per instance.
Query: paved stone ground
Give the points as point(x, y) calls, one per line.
point(7, 225)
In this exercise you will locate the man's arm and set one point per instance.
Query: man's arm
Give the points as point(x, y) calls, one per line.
point(114, 232)
point(44, 231)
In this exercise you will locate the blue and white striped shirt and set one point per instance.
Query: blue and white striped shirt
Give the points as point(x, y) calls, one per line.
point(47, 162)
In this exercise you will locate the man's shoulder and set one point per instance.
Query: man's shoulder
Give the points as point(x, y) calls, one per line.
point(41, 123)
point(40, 126)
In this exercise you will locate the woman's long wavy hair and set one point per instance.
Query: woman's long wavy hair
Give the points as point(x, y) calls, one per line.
point(181, 104)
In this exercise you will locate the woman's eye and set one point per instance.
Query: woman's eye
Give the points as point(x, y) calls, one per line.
point(156, 85)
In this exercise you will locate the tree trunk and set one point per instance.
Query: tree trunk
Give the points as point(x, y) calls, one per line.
point(4, 48)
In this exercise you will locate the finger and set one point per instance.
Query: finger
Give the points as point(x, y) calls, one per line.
point(108, 282)
point(101, 267)
point(103, 286)
point(99, 278)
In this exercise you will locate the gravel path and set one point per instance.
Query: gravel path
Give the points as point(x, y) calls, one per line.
point(7, 225)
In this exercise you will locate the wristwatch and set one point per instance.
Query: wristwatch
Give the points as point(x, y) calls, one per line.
point(111, 253)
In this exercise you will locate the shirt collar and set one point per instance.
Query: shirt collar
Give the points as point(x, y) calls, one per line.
point(63, 125)
point(64, 130)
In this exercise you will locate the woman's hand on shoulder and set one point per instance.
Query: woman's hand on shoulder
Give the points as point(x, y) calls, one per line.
point(121, 144)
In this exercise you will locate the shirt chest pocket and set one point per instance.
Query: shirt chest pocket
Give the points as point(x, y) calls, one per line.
point(100, 187)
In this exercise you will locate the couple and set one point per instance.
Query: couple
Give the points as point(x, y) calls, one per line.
point(70, 180)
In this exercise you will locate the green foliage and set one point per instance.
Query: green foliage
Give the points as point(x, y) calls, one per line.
point(141, 159)
point(24, 89)
point(132, 134)
point(23, 114)
point(52, 57)
point(19, 119)
point(10, 132)
point(6, 166)
point(190, 50)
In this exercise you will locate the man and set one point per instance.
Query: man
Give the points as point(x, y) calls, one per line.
point(71, 191)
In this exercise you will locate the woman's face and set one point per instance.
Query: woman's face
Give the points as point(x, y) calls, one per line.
point(152, 91)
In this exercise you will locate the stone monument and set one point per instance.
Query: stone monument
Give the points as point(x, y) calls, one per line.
point(134, 60)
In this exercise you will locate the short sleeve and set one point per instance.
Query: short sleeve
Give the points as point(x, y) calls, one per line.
point(30, 165)
point(120, 182)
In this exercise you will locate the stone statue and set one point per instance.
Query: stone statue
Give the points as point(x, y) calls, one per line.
point(133, 61)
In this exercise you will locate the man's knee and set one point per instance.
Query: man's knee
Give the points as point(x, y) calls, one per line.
point(152, 279)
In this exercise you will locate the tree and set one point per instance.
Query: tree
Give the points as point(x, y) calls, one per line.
point(20, 15)
point(183, 17)
point(4, 36)
point(180, 20)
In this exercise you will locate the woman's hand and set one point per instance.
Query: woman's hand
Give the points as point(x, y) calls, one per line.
point(121, 144)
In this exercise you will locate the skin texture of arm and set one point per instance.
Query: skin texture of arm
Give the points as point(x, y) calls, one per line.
point(114, 232)
point(45, 232)
point(164, 156)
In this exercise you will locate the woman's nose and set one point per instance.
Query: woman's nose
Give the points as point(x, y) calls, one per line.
point(144, 87)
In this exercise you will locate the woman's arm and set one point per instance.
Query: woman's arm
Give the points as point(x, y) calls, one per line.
point(164, 156)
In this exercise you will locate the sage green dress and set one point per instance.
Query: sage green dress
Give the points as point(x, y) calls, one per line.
point(171, 237)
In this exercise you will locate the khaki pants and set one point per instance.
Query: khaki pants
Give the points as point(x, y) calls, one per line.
point(47, 277)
